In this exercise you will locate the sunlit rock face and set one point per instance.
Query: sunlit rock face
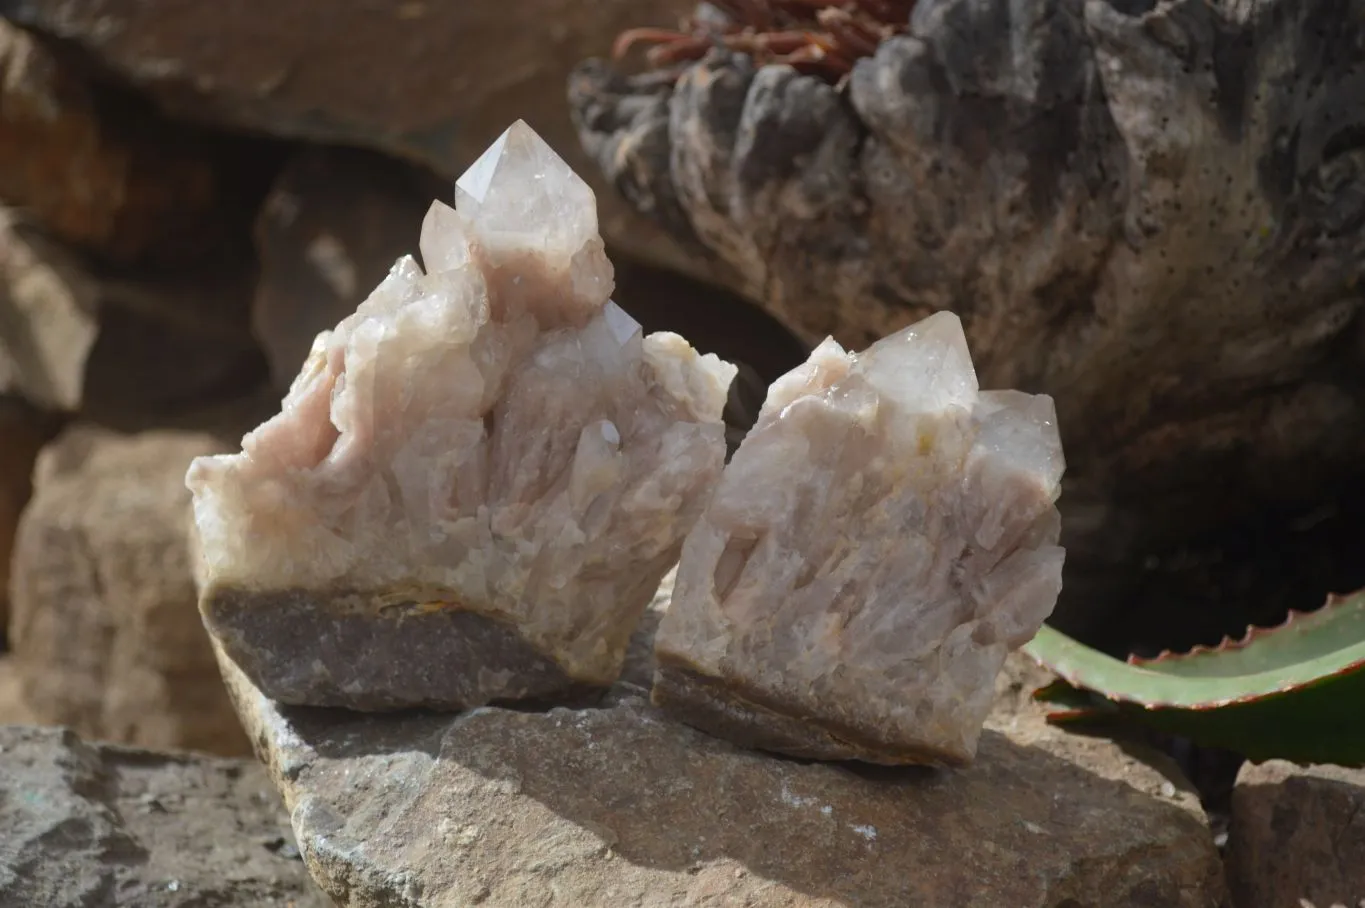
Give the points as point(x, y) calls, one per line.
point(879, 542)
point(477, 479)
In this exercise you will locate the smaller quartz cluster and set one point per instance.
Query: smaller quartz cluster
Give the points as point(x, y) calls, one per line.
point(477, 480)
point(882, 538)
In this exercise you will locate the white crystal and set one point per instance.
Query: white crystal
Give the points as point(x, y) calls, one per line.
point(878, 543)
point(520, 199)
point(492, 432)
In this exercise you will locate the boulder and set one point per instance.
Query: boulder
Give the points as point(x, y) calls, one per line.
point(98, 826)
point(433, 83)
point(618, 805)
point(1297, 836)
point(105, 625)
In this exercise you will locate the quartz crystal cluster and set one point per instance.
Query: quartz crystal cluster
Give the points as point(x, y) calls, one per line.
point(882, 538)
point(477, 480)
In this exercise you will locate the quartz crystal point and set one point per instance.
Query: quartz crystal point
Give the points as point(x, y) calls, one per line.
point(882, 538)
point(477, 479)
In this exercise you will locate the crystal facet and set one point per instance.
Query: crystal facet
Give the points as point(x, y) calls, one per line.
point(476, 480)
point(879, 542)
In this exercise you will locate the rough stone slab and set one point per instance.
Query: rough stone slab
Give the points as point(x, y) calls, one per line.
point(620, 806)
point(1297, 836)
point(95, 826)
point(105, 626)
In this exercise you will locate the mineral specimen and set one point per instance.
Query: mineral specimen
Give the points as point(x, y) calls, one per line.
point(879, 542)
point(476, 480)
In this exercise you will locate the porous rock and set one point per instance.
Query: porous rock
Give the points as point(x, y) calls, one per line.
point(1297, 836)
point(1106, 192)
point(105, 626)
point(98, 826)
point(623, 806)
point(883, 537)
point(477, 479)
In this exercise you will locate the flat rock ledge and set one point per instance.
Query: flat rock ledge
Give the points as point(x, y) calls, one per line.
point(85, 825)
point(618, 805)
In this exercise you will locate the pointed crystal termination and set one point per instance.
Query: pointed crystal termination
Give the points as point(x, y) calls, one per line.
point(476, 481)
point(882, 538)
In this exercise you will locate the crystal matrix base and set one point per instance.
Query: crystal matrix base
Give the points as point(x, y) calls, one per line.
point(343, 648)
point(730, 710)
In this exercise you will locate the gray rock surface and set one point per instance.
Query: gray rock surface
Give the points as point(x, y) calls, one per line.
point(620, 806)
point(1297, 836)
point(1106, 192)
point(95, 826)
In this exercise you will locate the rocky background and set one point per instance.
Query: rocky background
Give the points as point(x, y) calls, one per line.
point(187, 195)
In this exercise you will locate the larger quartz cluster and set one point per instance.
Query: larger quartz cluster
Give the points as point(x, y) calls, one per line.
point(477, 479)
point(879, 542)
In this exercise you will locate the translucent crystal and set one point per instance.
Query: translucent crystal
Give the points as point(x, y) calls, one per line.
point(878, 543)
point(487, 459)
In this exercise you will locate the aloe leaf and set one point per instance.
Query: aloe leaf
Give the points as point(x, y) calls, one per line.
point(1293, 692)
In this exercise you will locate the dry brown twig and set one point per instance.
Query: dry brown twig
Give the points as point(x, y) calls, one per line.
point(816, 37)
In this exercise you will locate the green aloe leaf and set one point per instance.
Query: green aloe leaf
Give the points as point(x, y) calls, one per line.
point(1294, 692)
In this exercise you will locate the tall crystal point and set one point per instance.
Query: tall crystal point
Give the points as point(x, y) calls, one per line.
point(477, 480)
point(883, 537)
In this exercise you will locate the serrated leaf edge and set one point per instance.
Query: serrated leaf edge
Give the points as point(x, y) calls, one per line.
point(1253, 633)
point(1152, 705)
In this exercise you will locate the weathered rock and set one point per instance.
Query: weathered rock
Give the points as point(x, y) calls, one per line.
point(1105, 192)
point(884, 536)
point(96, 826)
point(105, 624)
point(477, 479)
point(334, 223)
point(621, 806)
point(1297, 836)
point(23, 431)
point(105, 173)
point(47, 318)
point(433, 83)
